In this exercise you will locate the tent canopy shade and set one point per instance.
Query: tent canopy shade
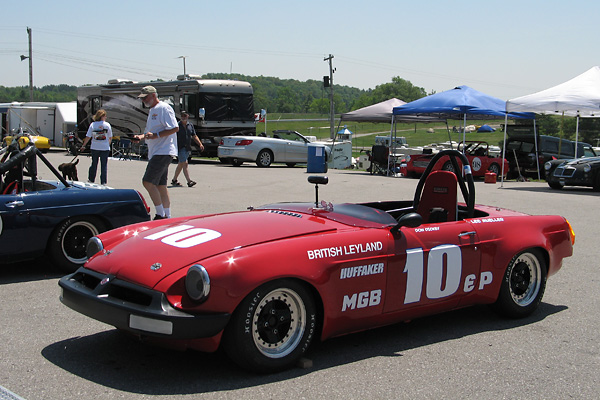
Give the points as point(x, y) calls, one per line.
point(382, 112)
point(579, 96)
point(462, 101)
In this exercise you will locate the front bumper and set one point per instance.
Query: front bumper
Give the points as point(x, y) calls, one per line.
point(134, 308)
point(570, 177)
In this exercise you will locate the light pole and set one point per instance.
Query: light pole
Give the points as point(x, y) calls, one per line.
point(30, 66)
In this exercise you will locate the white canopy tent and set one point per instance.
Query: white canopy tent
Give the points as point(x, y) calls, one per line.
point(578, 97)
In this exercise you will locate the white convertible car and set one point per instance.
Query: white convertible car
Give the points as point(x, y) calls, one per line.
point(288, 147)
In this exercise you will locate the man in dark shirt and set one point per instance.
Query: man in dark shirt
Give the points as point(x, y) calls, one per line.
point(185, 135)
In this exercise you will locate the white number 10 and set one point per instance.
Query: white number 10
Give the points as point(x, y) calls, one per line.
point(446, 256)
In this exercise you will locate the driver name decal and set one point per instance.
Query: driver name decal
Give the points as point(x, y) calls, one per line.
point(336, 251)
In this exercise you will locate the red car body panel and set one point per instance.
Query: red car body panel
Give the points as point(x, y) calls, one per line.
point(361, 273)
point(480, 161)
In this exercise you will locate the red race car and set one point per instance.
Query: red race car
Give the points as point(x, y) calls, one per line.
point(265, 283)
point(477, 152)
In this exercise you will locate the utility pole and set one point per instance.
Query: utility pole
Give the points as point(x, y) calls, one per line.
point(331, 106)
point(30, 66)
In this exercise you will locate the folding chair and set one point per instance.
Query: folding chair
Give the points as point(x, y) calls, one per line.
point(379, 159)
point(124, 149)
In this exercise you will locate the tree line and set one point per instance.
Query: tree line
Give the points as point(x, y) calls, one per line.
point(272, 94)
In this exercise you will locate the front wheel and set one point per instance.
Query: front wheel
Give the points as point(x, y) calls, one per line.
point(555, 185)
point(272, 327)
point(68, 243)
point(523, 285)
point(494, 168)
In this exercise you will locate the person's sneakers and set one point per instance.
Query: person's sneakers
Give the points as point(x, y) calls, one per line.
point(175, 182)
point(156, 216)
point(191, 183)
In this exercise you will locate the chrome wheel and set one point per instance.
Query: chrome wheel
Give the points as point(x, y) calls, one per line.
point(525, 279)
point(279, 322)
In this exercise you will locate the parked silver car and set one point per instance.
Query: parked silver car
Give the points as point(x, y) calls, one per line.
point(286, 146)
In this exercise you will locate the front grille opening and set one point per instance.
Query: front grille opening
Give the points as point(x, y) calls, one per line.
point(129, 295)
point(89, 281)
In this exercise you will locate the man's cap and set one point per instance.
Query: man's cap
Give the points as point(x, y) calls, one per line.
point(146, 90)
point(183, 112)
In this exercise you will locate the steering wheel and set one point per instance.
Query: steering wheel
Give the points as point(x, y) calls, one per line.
point(465, 182)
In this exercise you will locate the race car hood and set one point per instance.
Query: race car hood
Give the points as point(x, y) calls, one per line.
point(147, 256)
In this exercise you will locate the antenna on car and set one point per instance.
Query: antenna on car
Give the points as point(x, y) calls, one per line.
point(317, 179)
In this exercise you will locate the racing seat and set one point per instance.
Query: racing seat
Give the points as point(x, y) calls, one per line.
point(379, 159)
point(438, 200)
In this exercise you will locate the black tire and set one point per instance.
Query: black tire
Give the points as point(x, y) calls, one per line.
point(67, 246)
point(448, 166)
point(495, 168)
point(291, 164)
point(236, 162)
point(272, 327)
point(597, 182)
point(523, 285)
point(264, 158)
point(224, 160)
point(555, 185)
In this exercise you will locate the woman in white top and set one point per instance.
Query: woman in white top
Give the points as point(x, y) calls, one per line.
point(100, 132)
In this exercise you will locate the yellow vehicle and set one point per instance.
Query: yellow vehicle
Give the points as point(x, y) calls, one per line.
point(41, 142)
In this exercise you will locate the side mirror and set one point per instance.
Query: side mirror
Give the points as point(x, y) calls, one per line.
point(201, 113)
point(412, 220)
point(317, 179)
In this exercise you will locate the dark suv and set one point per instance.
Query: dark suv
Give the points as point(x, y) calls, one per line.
point(549, 148)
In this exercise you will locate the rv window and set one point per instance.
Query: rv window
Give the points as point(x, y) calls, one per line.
point(96, 104)
point(170, 100)
point(190, 104)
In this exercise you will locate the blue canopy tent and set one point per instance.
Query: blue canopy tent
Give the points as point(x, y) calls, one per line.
point(462, 101)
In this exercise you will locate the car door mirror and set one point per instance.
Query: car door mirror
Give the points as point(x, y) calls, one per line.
point(412, 220)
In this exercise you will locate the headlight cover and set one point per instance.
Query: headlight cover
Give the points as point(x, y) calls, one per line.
point(93, 247)
point(547, 166)
point(197, 283)
point(587, 168)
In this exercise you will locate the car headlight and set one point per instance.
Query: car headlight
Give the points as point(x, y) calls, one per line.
point(197, 283)
point(587, 168)
point(93, 247)
point(547, 166)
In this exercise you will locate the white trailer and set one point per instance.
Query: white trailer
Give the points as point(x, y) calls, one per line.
point(45, 119)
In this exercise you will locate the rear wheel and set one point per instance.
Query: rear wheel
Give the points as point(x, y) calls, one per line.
point(68, 243)
point(264, 158)
point(272, 327)
point(523, 285)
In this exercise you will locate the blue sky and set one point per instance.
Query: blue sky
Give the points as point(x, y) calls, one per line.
point(502, 48)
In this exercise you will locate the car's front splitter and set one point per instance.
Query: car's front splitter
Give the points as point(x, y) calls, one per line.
point(134, 308)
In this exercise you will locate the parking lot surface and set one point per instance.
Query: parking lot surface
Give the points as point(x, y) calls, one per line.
point(51, 352)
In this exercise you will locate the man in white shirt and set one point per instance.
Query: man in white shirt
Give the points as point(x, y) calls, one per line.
point(162, 147)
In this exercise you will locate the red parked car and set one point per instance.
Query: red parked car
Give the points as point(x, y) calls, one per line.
point(265, 283)
point(477, 152)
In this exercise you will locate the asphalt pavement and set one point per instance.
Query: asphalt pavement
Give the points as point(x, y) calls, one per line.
point(49, 351)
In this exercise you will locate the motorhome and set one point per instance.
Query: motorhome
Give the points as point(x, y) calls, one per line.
point(217, 107)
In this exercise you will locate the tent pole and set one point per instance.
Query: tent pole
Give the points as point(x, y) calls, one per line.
point(504, 148)
point(537, 156)
point(577, 135)
point(449, 136)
